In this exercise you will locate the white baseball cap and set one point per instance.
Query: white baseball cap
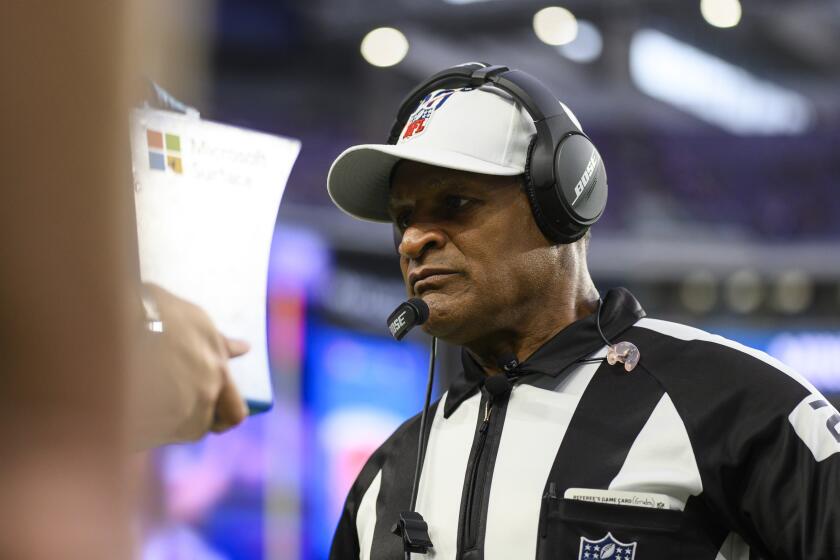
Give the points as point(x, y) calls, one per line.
point(480, 130)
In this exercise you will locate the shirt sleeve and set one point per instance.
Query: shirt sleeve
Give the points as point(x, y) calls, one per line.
point(790, 480)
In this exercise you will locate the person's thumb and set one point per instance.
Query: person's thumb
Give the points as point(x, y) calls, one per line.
point(230, 408)
point(236, 347)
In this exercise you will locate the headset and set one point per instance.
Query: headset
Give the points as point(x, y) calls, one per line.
point(565, 179)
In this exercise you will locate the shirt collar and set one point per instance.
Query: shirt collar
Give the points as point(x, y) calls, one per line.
point(619, 312)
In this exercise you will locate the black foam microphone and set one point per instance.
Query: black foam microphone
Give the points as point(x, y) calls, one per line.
point(498, 385)
point(408, 315)
point(501, 384)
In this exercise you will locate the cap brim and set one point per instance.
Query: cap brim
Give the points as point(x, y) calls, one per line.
point(359, 179)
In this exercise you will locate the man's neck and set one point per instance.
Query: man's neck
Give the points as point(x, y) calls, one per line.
point(525, 339)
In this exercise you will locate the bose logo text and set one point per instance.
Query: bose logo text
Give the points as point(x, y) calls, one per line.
point(397, 323)
point(587, 175)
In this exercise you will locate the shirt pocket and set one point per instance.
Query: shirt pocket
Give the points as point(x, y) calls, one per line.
point(580, 530)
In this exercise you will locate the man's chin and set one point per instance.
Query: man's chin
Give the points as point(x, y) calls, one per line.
point(446, 315)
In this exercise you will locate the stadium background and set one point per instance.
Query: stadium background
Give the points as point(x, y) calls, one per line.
point(721, 146)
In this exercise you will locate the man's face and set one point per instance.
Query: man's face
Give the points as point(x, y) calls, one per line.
point(470, 249)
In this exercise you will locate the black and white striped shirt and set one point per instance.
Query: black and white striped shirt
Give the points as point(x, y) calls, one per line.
point(744, 453)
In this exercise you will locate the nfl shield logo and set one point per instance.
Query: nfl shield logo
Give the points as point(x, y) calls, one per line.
point(608, 548)
point(419, 119)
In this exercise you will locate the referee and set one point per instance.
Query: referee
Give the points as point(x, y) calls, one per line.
point(604, 434)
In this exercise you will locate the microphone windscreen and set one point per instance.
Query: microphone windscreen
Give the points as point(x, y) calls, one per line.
point(422, 310)
point(498, 385)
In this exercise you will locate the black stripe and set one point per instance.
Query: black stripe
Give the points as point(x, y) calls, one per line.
point(491, 450)
point(609, 416)
point(465, 490)
point(400, 455)
point(612, 411)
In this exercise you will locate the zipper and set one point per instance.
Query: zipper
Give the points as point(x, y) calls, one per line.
point(474, 499)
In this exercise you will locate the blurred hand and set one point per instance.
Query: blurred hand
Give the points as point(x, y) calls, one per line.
point(230, 408)
point(185, 388)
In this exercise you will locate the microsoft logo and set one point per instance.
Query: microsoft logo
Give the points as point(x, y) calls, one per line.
point(164, 151)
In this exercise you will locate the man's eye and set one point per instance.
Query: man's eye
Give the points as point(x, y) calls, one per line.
point(455, 202)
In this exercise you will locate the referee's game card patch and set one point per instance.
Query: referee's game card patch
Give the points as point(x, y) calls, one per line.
point(607, 548)
point(619, 498)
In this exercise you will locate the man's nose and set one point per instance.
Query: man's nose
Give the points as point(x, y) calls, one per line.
point(419, 238)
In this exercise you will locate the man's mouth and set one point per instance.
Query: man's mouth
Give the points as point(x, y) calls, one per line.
point(427, 279)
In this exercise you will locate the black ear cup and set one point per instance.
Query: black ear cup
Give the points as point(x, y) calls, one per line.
point(581, 181)
point(576, 198)
point(530, 191)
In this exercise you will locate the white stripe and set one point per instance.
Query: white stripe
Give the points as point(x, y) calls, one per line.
point(684, 332)
point(733, 548)
point(535, 423)
point(813, 428)
point(661, 459)
point(442, 479)
point(366, 517)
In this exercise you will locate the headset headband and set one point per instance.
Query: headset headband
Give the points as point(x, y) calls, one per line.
point(537, 100)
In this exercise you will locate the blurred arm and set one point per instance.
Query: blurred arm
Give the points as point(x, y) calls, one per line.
point(64, 249)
